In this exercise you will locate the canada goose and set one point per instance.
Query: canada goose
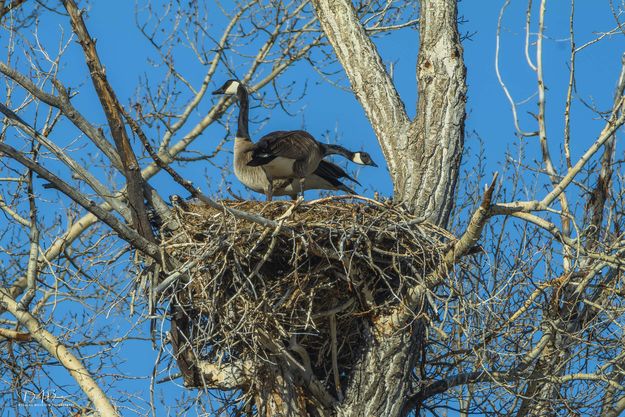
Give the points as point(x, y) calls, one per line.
point(283, 155)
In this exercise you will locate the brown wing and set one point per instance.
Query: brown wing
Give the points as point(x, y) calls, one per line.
point(293, 144)
point(332, 172)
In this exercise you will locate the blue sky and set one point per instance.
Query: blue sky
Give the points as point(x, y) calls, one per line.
point(325, 108)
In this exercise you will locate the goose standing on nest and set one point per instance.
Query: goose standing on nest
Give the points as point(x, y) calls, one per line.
point(293, 157)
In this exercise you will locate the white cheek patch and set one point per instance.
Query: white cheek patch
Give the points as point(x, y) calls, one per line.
point(357, 159)
point(232, 88)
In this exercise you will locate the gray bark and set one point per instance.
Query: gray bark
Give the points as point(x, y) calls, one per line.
point(423, 155)
point(381, 382)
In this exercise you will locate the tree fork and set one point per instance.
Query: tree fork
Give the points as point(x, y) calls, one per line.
point(423, 155)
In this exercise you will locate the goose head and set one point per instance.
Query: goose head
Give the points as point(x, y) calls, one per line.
point(363, 158)
point(230, 88)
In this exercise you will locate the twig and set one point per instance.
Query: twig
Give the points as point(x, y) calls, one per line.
point(63, 103)
point(125, 232)
point(335, 366)
point(61, 353)
point(78, 169)
point(500, 79)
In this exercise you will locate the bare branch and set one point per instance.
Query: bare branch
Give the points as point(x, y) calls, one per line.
point(58, 351)
point(111, 106)
point(63, 103)
point(124, 231)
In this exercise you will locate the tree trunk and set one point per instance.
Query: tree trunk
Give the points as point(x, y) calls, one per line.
point(423, 155)
point(436, 141)
point(381, 382)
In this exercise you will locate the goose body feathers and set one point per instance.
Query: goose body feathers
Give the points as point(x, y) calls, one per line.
point(285, 162)
point(287, 154)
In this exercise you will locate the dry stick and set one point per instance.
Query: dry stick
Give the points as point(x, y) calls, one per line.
point(542, 128)
point(315, 386)
point(110, 105)
point(335, 365)
point(179, 272)
point(62, 102)
point(78, 169)
point(335, 310)
point(125, 232)
point(323, 200)
point(67, 359)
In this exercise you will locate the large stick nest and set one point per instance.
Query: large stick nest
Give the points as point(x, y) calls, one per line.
point(309, 286)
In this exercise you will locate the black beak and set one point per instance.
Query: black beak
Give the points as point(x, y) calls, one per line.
point(220, 91)
point(373, 164)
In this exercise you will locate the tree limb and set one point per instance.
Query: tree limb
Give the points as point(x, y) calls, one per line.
point(57, 350)
point(76, 168)
point(111, 106)
point(423, 156)
point(367, 75)
point(125, 232)
point(63, 103)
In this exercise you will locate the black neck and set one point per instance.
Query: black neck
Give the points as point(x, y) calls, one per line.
point(337, 149)
point(244, 108)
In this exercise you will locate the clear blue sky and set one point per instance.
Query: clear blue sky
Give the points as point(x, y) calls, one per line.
point(125, 54)
point(327, 108)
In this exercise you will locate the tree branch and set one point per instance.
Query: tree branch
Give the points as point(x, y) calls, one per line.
point(63, 103)
point(111, 106)
point(78, 169)
point(367, 75)
point(125, 232)
point(57, 350)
